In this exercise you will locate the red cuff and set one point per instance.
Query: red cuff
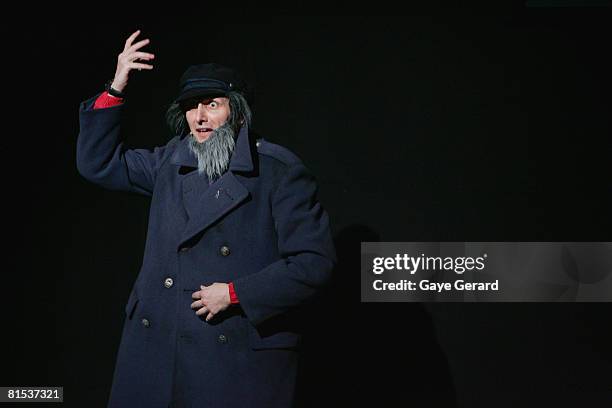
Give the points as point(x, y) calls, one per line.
point(233, 297)
point(106, 101)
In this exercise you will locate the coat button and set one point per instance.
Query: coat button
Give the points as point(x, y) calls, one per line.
point(184, 249)
point(168, 283)
point(146, 323)
point(224, 250)
point(257, 144)
point(222, 338)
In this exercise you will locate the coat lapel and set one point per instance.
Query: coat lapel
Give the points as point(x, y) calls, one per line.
point(205, 203)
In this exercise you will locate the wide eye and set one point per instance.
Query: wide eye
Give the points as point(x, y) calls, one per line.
point(213, 104)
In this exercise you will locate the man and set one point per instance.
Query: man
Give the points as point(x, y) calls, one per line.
point(236, 244)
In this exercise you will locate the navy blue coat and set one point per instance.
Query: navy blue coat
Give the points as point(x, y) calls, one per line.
point(277, 249)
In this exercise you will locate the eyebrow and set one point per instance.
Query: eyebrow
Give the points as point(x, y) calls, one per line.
point(209, 100)
point(195, 102)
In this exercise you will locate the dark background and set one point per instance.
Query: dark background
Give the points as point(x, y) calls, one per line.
point(445, 126)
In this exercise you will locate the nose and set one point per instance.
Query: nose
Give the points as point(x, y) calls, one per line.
point(201, 113)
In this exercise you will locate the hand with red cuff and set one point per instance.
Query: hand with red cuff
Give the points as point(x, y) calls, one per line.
point(126, 61)
point(212, 299)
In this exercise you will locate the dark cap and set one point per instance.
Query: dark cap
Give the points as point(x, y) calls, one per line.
point(209, 80)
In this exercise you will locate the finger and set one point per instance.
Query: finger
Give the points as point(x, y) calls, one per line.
point(134, 65)
point(209, 317)
point(141, 55)
point(197, 304)
point(202, 311)
point(128, 42)
point(138, 45)
point(196, 295)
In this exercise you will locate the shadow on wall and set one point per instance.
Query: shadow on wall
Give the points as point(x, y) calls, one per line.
point(357, 353)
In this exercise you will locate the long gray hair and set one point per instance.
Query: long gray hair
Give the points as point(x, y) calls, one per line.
point(240, 113)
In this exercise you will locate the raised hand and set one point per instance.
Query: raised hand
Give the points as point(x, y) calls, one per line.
point(127, 61)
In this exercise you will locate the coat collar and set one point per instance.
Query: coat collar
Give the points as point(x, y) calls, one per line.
point(241, 160)
point(204, 203)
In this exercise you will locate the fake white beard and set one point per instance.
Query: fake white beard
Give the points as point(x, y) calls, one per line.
point(214, 153)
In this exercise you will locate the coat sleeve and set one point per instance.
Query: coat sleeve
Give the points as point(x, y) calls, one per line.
point(305, 245)
point(102, 158)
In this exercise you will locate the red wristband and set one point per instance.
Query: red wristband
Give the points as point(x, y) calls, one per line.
point(107, 101)
point(232, 293)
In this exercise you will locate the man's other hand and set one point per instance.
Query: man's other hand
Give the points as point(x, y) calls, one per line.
point(211, 299)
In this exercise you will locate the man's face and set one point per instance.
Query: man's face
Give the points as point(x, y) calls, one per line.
point(206, 115)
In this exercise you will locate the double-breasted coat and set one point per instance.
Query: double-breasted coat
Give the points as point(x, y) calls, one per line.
point(259, 225)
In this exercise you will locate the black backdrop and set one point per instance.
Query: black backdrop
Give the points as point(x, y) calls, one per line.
point(446, 126)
